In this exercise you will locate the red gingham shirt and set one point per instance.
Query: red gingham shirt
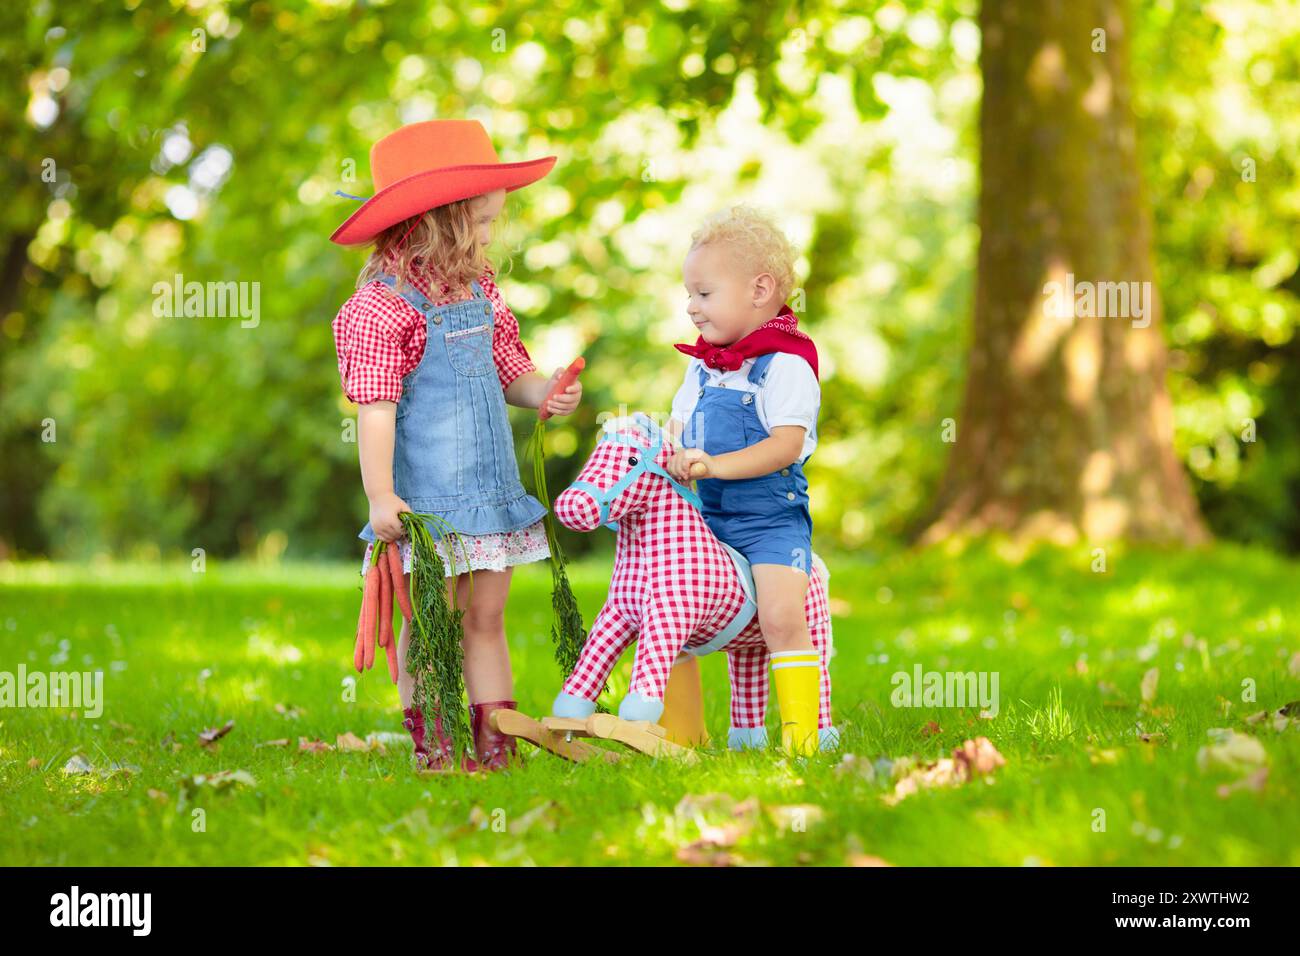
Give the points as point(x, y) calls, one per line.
point(379, 338)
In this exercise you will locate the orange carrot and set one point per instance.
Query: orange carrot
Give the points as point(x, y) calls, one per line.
point(391, 649)
point(370, 614)
point(359, 652)
point(400, 587)
point(568, 378)
point(385, 601)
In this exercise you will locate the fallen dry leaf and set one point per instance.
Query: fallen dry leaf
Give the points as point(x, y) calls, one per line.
point(930, 729)
point(213, 734)
point(1231, 751)
point(1255, 782)
point(978, 756)
point(313, 746)
point(282, 742)
point(78, 764)
point(1150, 681)
point(349, 742)
point(973, 758)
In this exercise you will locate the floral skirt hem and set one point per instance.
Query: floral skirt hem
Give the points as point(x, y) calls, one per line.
point(485, 552)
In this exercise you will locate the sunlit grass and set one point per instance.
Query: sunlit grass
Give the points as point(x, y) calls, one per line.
point(182, 652)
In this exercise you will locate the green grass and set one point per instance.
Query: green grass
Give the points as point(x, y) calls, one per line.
point(183, 652)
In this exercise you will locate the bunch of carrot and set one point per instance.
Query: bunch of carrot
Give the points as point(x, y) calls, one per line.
point(384, 579)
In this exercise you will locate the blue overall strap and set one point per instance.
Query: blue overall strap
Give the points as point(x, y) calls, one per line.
point(759, 371)
point(704, 375)
point(412, 295)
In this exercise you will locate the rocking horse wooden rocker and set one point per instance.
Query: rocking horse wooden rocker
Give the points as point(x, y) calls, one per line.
point(679, 593)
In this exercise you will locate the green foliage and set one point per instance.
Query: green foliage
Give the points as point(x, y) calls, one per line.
point(855, 125)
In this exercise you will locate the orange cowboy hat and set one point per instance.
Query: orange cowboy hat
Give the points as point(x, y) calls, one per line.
point(423, 165)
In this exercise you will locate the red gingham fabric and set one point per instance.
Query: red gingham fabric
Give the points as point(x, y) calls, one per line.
point(673, 584)
point(379, 338)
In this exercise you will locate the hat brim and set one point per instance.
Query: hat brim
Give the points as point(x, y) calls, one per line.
point(435, 187)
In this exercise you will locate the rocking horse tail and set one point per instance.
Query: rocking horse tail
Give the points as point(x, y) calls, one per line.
point(825, 574)
point(828, 735)
point(683, 716)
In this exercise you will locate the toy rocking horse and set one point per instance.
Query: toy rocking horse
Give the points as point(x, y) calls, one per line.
point(675, 590)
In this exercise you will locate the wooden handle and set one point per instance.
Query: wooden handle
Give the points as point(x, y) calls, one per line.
point(697, 470)
point(568, 378)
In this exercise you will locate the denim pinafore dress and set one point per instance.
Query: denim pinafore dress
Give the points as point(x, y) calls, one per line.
point(765, 518)
point(453, 451)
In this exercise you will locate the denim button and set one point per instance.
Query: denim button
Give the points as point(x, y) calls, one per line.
point(426, 307)
point(701, 395)
point(437, 319)
point(749, 397)
point(487, 310)
point(790, 495)
point(785, 471)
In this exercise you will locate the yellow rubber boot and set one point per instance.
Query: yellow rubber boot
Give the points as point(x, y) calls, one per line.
point(798, 687)
point(683, 715)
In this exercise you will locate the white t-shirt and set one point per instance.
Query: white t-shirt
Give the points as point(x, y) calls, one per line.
point(790, 394)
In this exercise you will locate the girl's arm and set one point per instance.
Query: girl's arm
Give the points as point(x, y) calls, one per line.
point(529, 389)
point(376, 427)
point(523, 386)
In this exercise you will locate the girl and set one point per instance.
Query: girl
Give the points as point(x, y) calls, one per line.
point(429, 351)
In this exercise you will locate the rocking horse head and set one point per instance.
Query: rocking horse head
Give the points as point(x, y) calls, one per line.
point(623, 475)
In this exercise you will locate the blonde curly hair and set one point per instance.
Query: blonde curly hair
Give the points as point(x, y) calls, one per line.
point(443, 242)
point(754, 240)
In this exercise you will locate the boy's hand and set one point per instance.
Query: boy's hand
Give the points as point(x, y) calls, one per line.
point(565, 402)
point(384, 510)
point(690, 463)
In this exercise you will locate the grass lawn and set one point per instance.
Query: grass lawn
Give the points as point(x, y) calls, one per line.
point(1108, 685)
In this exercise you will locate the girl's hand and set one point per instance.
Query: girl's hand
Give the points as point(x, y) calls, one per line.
point(565, 402)
point(384, 509)
point(686, 464)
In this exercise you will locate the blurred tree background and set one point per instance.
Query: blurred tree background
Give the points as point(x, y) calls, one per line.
point(146, 140)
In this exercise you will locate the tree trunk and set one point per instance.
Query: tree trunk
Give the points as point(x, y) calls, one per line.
point(1066, 429)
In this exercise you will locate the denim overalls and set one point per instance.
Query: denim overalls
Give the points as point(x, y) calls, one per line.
point(453, 452)
point(765, 518)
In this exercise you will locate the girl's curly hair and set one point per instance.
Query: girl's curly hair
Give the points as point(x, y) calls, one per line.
point(443, 243)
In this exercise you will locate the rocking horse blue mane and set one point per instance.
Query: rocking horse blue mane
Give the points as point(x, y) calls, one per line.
point(619, 431)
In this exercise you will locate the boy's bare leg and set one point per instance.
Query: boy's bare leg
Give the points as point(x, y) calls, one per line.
point(782, 591)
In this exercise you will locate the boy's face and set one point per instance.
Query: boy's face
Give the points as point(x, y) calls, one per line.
point(721, 302)
point(486, 208)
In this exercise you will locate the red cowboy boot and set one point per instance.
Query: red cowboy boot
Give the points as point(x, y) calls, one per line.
point(494, 749)
point(439, 756)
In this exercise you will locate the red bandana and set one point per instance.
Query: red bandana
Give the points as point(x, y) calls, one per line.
point(780, 334)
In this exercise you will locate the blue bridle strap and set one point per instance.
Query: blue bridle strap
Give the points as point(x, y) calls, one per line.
point(645, 464)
